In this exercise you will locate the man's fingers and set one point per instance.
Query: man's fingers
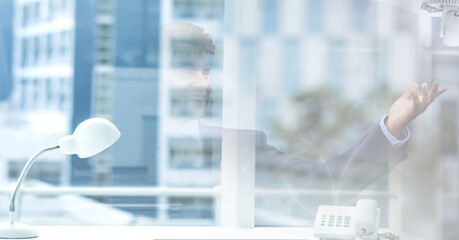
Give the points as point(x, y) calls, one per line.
point(434, 91)
point(415, 98)
point(425, 94)
point(421, 103)
point(441, 91)
point(412, 85)
point(407, 93)
point(409, 89)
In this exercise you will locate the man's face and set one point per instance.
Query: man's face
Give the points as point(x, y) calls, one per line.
point(189, 80)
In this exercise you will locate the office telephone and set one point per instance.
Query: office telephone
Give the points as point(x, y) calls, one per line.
point(340, 222)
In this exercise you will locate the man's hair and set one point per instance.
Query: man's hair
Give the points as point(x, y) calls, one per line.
point(192, 34)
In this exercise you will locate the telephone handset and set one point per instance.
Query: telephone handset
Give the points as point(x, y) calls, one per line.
point(339, 222)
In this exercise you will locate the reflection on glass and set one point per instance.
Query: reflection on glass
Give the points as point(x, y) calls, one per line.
point(322, 73)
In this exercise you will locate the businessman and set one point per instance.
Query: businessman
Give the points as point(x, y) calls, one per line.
point(371, 158)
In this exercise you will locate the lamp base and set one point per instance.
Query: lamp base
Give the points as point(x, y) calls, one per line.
point(17, 231)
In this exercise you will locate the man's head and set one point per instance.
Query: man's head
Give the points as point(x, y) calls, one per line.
point(192, 34)
point(189, 71)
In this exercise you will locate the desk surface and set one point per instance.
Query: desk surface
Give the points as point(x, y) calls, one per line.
point(152, 232)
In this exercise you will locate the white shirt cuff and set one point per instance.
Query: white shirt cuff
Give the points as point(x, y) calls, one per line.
point(395, 142)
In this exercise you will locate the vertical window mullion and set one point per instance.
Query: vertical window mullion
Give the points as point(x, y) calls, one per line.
point(239, 108)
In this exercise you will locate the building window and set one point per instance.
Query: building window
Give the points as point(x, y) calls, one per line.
point(270, 15)
point(63, 94)
point(26, 14)
point(191, 208)
point(189, 153)
point(198, 9)
point(314, 16)
point(336, 64)
point(36, 50)
point(64, 43)
point(49, 47)
point(49, 92)
point(25, 52)
point(214, 104)
point(185, 57)
point(361, 19)
point(36, 11)
point(292, 65)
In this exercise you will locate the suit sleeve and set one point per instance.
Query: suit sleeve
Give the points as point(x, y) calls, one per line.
point(365, 162)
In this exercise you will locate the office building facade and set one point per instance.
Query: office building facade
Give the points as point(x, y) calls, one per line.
point(6, 37)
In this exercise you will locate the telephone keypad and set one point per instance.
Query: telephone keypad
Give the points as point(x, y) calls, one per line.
point(335, 221)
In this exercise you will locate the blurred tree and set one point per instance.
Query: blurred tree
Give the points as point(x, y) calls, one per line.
point(327, 121)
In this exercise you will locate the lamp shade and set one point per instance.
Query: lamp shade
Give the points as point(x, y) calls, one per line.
point(91, 137)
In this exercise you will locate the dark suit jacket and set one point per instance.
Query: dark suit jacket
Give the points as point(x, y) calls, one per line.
point(363, 163)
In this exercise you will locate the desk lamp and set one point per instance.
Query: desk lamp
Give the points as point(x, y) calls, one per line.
point(91, 137)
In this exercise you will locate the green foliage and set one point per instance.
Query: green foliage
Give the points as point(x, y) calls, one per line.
point(328, 122)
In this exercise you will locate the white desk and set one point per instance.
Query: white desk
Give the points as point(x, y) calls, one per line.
point(152, 232)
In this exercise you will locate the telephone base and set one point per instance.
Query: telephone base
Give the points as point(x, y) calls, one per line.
point(324, 231)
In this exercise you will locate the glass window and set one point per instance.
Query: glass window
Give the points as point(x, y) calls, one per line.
point(198, 9)
point(314, 16)
point(51, 9)
point(191, 208)
point(359, 16)
point(49, 47)
point(270, 14)
point(36, 50)
point(63, 44)
point(292, 64)
point(285, 106)
point(189, 154)
point(36, 11)
point(49, 92)
point(25, 15)
point(336, 64)
point(25, 52)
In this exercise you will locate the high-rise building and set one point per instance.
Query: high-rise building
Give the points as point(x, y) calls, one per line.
point(75, 59)
point(126, 90)
point(42, 63)
point(135, 90)
point(6, 36)
point(115, 61)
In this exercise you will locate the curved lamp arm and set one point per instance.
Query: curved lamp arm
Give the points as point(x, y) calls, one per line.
point(90, 137)
point(23, 174)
